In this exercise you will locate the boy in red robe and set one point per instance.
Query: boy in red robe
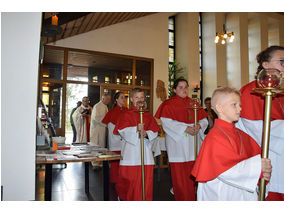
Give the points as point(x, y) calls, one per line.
point(129, 183)
point(229, 164)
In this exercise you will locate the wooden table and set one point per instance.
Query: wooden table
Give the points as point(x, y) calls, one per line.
point(77, 153)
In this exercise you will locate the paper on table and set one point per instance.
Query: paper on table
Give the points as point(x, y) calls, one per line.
point(46, 155)
point(108, 156)
point(85, 155)
point(74, 152)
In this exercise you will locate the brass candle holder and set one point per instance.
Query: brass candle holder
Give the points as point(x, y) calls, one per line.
point(269, 81)
point(195, 106)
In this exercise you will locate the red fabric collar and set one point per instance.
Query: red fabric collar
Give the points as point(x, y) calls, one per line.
point(217, 155)
point(131, 118)
point(177, 108)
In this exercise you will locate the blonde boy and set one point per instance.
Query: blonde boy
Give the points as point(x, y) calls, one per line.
point(229, 164)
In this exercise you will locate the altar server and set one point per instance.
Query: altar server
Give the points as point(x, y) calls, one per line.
point(252, 115)
point(229, 163)
point(81, 119)
point(129, 184)
point(114, 140)
point(178, 123)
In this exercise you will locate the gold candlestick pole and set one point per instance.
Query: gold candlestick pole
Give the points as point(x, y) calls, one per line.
point(269, 81)
point(268, 93)
point(265, 138)
point(195, 136)
point(141, 112)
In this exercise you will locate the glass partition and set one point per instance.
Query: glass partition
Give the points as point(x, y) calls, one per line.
point(52, 66)
point(89, 74)
point(143, 73)
point(52, 99)
point(98, 68)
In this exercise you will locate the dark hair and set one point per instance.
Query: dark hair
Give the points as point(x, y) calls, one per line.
point(85, 97)
point(207, 99)
point(265, 56)
point(135, 90)
point(176, 82)
point(115, 97)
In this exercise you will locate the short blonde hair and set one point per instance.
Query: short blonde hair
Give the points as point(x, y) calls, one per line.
point(219, 93)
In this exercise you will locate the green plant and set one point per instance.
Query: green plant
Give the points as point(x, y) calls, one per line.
point(174, 71)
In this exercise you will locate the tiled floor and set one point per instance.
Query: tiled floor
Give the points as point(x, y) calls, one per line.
point(68, 184)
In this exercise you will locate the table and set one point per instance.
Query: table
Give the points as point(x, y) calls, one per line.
point(76, 153)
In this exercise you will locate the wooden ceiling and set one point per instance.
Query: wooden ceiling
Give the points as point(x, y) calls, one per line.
point(72, 24)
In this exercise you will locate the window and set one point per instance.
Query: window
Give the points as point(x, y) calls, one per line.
point(200, 56)
point(171, 39)
point(172, 42)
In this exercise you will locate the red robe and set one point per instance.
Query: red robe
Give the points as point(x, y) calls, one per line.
point(113, 115)
point(250, 98)
point(131, 118)
point(129, 184)
point(178, 109)
point(217, 154)
point(110, 119)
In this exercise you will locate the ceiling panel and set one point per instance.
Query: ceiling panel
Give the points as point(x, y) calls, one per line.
point(81, 22)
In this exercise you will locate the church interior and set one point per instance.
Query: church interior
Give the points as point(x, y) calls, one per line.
point(53, 59)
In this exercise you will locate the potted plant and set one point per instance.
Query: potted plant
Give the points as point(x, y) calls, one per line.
point(174, 70)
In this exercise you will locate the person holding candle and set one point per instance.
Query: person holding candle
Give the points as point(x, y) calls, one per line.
point(115, 143)
point(252, 115)
point(129, 127)
point(178, 123)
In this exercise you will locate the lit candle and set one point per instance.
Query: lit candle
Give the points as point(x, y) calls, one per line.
point(54, 20)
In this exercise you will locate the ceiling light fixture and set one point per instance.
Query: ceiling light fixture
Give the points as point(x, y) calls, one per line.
point(52, 29)
point(221, 37)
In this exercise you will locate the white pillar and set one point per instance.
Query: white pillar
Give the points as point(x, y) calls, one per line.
point(214, 55)
point(19, 69)
point(237, 52)
point(187, 49)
